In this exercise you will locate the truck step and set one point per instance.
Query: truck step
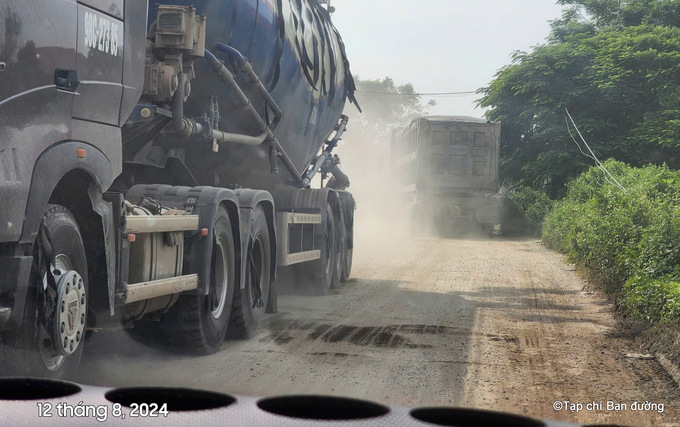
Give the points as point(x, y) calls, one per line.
point(156, 288)
point(160, 223)
point(297, 239)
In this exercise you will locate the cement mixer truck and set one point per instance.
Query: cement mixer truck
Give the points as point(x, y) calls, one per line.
point(156, 168)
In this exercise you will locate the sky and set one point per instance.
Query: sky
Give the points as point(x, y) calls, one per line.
point(440, 45)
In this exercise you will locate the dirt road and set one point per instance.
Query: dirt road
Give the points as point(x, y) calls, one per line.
point(497, 324)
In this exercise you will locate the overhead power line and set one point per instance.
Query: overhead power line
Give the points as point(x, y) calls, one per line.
point(607, 175)
point(467, 92)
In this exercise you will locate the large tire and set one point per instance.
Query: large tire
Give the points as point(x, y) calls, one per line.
point(319, 273)
point(199, 322)
point(31, 350)
point(347, 253)
point(339, 243)
point(251, 301)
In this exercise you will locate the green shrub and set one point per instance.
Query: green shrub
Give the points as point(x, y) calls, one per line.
point(626, 236)
point(658, 252)
point(653, 300)
point(523, 211)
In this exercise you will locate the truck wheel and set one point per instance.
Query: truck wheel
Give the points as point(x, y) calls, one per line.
point(316, 276)
point(251, 301)
point(339, 241)
point(321, 271)
point(49, 342)
point(199, 322)
point(347, 253)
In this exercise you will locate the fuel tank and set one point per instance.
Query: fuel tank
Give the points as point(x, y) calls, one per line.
point(299, 56)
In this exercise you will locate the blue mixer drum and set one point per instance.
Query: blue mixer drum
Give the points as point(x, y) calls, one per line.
point(298, 55)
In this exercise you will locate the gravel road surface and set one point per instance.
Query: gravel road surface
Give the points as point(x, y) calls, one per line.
point(497, 324)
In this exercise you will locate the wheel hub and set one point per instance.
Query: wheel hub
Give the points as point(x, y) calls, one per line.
point(69, 319)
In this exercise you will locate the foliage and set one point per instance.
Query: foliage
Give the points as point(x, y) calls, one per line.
point(628, 239)
point(385, 105)
point(629, 12)
point(653, 300)
point(620, 83)
point(523, 211)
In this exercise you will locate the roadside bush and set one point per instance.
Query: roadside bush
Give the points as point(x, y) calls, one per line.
point(523, 212)
point(628, 239)
point(653, 300)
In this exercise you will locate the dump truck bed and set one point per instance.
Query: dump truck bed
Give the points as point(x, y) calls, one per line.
point(448, 167)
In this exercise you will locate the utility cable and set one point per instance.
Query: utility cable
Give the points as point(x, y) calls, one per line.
point(576, 142)
point(467, 92)
point(594, 157)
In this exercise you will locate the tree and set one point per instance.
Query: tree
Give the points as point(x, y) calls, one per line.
point(385, 106)
point(626, 13)
point(621, 85)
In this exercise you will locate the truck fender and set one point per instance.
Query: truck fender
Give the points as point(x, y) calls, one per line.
point(52, 165)
point(248, 201)
point(203, 201)
point(301, 199)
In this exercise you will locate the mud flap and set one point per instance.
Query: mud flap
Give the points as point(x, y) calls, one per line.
point(14, 276)
point(248, 200)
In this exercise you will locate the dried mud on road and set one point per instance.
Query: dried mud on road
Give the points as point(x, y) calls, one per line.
point(495, 324)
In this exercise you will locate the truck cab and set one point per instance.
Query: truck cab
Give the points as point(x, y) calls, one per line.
point(123, 209)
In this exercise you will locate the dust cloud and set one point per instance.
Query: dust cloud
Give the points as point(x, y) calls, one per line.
point(382, 226)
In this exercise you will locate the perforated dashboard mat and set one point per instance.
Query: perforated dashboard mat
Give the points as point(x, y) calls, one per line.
point(29, 401)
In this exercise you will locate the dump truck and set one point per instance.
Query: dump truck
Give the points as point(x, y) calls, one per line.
point(156, 162)
point(446, 168)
